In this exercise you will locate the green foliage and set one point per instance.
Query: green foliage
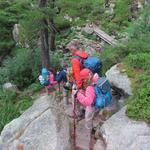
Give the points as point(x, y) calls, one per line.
point(139, 61)
point(141, 27)
point(88, 36)
point(139, 104)
point(135, 54)
point(8, 112)
point(33, 88)
point(111, 56)
point(22, 69)
point(12, 105)
point(85, 10)
point(56, 59)
point(8, 95)
point(121, 12)
point(10, 13)
point(61, 23)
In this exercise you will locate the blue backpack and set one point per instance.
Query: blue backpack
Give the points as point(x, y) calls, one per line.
point(92, 63)
point(44, 77)
point(103, 93)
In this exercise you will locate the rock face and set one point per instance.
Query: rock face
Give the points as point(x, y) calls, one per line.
point(37, 129)
point(17, 38)
point(122, 133)
point(16, 32)
point(99, 145)
point(119, 79)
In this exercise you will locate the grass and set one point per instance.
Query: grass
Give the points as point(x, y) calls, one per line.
point(13, 104)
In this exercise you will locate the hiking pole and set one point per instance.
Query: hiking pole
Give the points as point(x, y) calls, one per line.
point(59, 91)
point(74, 122)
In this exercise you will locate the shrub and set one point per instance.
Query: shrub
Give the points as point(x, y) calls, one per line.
point(139, 61)
point(22, 69)
point(11, 106)
point(139, 104)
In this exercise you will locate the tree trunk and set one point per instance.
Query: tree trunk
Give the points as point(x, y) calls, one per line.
point(107, 3)
point(44, 38)
point(52, 36)
point(52, 27)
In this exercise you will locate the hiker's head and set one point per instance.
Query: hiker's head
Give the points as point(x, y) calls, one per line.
point(86, 76)
point(72, 49)
point(64, 64)
point(51, 70)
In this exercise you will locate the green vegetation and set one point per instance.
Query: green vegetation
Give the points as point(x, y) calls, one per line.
point(136, 56)
point(22, 65)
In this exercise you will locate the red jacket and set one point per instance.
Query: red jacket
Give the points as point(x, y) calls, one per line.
point(77, 67)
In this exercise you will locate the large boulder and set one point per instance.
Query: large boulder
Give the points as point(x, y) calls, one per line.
point(122, 133)
point(37, 129)
point(119, 79)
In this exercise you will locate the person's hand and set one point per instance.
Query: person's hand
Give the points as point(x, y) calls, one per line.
point(81, 91)
point(74, 91)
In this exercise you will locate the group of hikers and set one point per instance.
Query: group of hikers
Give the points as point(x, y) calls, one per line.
point(82, 82)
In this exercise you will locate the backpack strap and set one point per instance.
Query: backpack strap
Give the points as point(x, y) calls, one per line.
point(80, 59)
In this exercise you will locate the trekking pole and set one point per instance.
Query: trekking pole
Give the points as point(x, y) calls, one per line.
point(74, 122)
point(59, 91)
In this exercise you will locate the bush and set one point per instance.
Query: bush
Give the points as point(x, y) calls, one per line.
point(23, 69)
point(139, 104)
point(8, 96)
point(12, 105)
point(139, 61)
point(61, 23)
point(88, 36)
point(56, 60)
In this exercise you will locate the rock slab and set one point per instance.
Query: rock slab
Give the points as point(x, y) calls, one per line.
point(118, 78)
point(122, 133)
point(36, 129)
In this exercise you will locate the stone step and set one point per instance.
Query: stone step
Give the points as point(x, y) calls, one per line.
point(83, 136)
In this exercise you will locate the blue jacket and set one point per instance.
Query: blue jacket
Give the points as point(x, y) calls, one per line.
point(61, 76)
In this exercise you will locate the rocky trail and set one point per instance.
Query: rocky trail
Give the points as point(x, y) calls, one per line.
point(45, 125)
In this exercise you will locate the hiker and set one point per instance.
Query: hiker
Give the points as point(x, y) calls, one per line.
point(47, 78)
point(62, 77)
point(86, 96)
point(51, 78)
point(77, 66)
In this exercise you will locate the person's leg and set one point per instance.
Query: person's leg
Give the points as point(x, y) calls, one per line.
point(89, 114)
point(65, 97)
point(46, 89)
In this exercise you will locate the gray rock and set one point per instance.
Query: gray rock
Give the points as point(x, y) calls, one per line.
point(88, 29)
point(16, 32)
point(37, 129)
point(67, 17)
point(118, 78)
point(10, 86)
point(99, 145)
point(122, 133)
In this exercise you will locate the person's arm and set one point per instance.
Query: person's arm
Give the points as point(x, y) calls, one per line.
point(59, 76)
point(88, 97)
point(76, 66)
